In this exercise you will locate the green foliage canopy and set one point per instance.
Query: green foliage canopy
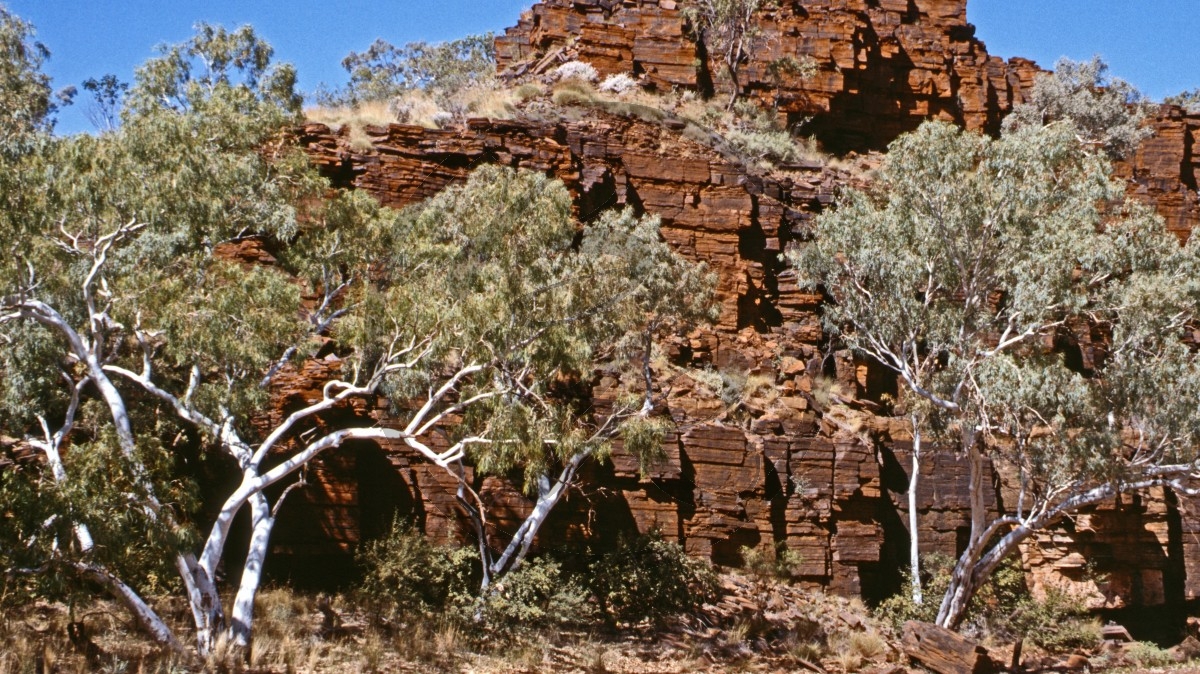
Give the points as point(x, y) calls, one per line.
point(384, 70)
point(962, 268)
point(1107, 111)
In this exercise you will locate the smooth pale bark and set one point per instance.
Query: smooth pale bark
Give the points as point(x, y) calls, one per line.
point(205, 604)
point(51, 447)
point(85, 352)
point(978, 561)
point(913, 532)
point(203, 601)
point(146, 618)
point(548, 497)
point(242, 617)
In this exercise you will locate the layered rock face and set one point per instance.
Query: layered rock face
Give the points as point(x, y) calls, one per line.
point(759, 457)
point(1166, 169)
point(883, 66)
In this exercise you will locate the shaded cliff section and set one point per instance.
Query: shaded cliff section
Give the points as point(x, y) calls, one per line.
point(777, 468)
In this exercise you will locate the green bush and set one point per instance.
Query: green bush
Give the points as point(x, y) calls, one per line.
point(403, 574)
point(1003, 607)
point(648, 577)
point(767, 145)
point(1144, 654)
point(769, 566)
point(406, 576)
point(536, 596)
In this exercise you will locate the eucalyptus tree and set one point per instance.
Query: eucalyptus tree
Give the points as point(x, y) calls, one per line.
point(1188, 100)
point(728, 28)
point(108, 95)
point(477, 314)
point(26, 98)
point(93, 224)
point(1108, 112)
point(543, 312)
point(384, 70)
point(133, 328)
point(961, 268)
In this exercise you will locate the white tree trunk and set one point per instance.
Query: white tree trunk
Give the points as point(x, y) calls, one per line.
point(914, 558)
point(145, 616)
point(548, 496)
point(203, 601)
point(242, 617)
point(964, 579)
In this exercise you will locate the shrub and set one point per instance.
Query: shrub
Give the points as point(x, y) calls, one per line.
point(1144, 654)
point(648, 577)
point(728, 384)
point(1004, 607)
point(618, 84)
point(766, 145)
point(406, 575)
point(768, 566)
point(575, 70)
point(536, 596)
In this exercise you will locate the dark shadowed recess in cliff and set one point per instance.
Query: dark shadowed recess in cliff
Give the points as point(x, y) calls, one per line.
point(758, 305)
point(323, 525)
point(868, 115)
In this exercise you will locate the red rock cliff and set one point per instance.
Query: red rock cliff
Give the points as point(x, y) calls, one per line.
point(884, 66)
point(778, 468)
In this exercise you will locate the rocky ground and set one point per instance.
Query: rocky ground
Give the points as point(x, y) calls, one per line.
point(757, 626)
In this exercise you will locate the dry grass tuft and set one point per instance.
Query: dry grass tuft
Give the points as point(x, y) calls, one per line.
point(373, 113)
point(524, 92)
point(869, 645)
point(484, 101)
point(354, 121)
point(848, 661)
point(419, 108)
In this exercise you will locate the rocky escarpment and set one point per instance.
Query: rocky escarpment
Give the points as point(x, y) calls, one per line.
point(759, 458)
point(883, 66)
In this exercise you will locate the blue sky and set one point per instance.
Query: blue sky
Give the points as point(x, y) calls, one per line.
point(1153, 43)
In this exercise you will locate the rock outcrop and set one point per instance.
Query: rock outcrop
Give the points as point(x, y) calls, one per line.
point(774, 464)
point(1165, 170)
point(883, 66)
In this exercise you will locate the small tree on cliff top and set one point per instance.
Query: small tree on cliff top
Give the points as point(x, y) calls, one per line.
point(728, 29)
point(1188, 100)
point(384, 71)
point(961, 268)
point(1107, 112)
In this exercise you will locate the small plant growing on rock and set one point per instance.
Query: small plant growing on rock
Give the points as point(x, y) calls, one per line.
point(769, 566)
point(1145, 654)
point(618, 84)
point(575, 70)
